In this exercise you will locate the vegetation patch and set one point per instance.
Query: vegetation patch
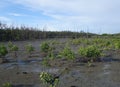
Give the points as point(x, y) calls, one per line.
point(44, 47)
point(49, 79)
point(89, 53)
point(3, 53)
point(13, 48)
point(29, 48)
point(67, 53)
point(3, 50)
point(7, 85)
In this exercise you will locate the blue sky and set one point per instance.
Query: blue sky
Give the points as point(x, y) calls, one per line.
point(97, 16)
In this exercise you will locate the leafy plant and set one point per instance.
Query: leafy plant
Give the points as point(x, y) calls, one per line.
point(48, 49)
point(44, 47)
point(76, 41)
point(14, 48)
point(89, 52)
point(29, 48)
point(3, 50)
point(7, 85)
point(45, 62)
point(54, 42)
point(107, 43)
point(49, 79)
point(51, 55)
point(67, 53)
point(10, 45)
point(117, 45)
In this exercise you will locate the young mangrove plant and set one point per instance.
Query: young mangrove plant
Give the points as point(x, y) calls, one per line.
point(89, 53)
point(10, 45)
point(7, 85)
point(47, 50)
point(46, 61)
point(3, 52)
point(76, 41)
point(67, 53)
point(117, 45)
point(29, 48)
point(49, 79)
point(13, 48)
point(51, 55)
point(45, 47)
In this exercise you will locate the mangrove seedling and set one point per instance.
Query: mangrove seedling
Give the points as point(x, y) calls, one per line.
point(3, 52)
point(7, 85)
point(29, 48)
point(44, 47)
point(117, 45)
point(45, 62)
point(14, 49)
point(90, 52)
point(10, 45)
point(67, 53)
point(49, 79)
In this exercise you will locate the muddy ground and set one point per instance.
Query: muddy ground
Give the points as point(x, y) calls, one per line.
point(24, 72)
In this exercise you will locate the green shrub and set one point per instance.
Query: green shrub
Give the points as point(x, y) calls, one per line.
point(89, 52)
point(107, 43)
point(45, 62)
point(44, 47)
point(29, 48)
point(49, 79)
point(10, 45)
point(76, 41)
point(7, 85)
point(117, 45)
point(3, 50)
point(51, 55)
point(54, 42)
point(14, 48)
point(67, 53)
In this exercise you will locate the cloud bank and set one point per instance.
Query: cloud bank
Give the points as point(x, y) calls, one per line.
point(104, 14)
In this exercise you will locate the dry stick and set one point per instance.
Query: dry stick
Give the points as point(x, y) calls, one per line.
point(61, 73)
point(58, 76)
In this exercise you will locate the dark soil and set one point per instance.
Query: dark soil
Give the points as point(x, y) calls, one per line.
point(24, 72)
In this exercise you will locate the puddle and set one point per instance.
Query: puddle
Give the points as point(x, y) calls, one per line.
point(19, 62)
point(33, 66)
point(110, 59)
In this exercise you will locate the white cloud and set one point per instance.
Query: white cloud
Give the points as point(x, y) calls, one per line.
point(5, 19)
point(91, 9)
point(103, 13)
point(17, 14)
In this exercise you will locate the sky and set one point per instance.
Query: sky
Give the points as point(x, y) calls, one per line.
point(96, 16)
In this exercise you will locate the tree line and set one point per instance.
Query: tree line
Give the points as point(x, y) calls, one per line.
point(13, 33)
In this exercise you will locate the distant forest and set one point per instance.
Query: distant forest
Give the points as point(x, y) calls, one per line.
point(12, 33)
